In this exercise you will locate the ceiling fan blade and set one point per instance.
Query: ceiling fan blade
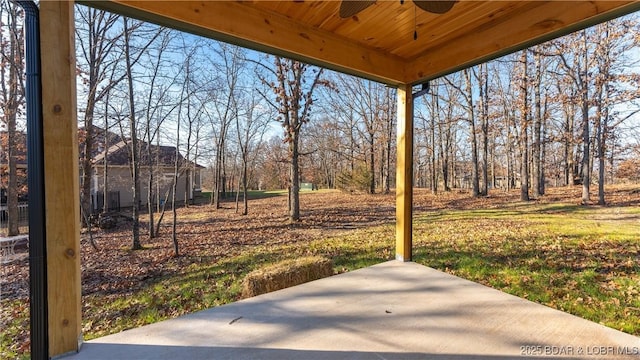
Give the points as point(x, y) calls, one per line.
point(435, 6)
point(348, 8)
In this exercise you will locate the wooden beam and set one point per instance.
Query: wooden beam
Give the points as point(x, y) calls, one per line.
point(248, 26)
point(404, 175)
point(531, 25)
point(61, 175)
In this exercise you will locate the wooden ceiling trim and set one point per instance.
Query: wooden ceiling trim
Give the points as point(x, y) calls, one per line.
point(251, 27)
point(519, 31)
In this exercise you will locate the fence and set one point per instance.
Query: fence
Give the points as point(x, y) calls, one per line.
point(23, 215)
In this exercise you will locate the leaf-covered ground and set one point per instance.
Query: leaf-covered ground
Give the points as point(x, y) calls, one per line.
point(583, 260)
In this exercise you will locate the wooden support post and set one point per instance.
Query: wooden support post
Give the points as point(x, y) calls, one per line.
point(62, 202)
point(404, 174)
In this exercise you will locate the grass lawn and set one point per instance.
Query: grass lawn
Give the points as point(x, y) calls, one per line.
point(254, 194)
point(584, 260)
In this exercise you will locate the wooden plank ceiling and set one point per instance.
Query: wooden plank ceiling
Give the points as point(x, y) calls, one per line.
point(378, 43)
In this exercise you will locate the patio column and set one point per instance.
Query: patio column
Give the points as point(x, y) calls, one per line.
point(61, 179)
point(404, 174)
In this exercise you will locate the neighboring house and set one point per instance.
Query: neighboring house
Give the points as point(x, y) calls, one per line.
point(119, 180)
point(101, 139)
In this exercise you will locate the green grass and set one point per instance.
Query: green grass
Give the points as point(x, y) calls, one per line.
point(205, 196)
point(582, 260)
point(17, 327)
point(257, 194)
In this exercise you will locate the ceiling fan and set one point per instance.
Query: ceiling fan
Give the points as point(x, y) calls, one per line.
point(349, 8)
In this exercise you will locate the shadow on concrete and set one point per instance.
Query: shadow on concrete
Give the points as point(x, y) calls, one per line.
point(160, 352)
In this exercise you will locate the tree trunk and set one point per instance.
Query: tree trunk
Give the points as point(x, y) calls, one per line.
point(604, 96)
point(524, 131)
point(586, 151)
point(294, 205)
point(188, 180)
point(390, 128)
point(434, 115)
point(13, 216)
point(444, 130)
point(135, 166)
point(187, 187)
point(601, 158)
point(484, 99)
point(372, 165)
point(537, 127)
point(86, 163)
point(586, 139)
point(475, 181)
point(218, 187)
point(510, 124)
point(12, 95)
point(174, 210)
point(569, 155)
point(105, 162)
point(543, 149)
point(150, 195)
point(245, 192)
point(434, 173)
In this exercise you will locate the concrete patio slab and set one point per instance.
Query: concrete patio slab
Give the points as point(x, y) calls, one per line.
point(393, 310)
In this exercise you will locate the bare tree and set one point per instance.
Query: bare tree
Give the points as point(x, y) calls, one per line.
point(97, 36)
point(428, 128)
point(524, 126)
point(331, 156)
point(176, 161)
point(389, 125)
point(575, 62)
point(250, 128)
point(368, 101)
point(195, 107)
point(447, 129)
point(225, 108)
point(615, 84)
point(131, 57)
point(159, 106)
point(11, 70)
point(293, 99)
point(482, 78)
point(467, 94)
point(341, 113)
point(134, 153)
point(536, 148)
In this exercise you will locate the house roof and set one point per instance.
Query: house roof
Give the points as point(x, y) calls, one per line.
point(118, 155)
point(117, 152)
point(378, 42)
point(101, 139)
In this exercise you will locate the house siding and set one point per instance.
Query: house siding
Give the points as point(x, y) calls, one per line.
point(120, 180)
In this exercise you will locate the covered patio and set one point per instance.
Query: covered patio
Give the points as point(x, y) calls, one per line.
point(393, 42)
point(393, 310)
